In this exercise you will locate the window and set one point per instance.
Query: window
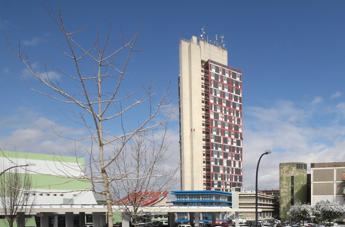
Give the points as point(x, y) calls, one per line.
point(215, 84)
point(236, 128)
point(217, 139)
point(238, 142)
point(292, 188)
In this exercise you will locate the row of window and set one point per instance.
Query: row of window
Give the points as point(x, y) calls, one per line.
point(224, 117)
point(202, 197)
point(225, 72)
point(225, 148)
point(225, 80)
point(235, 129)
point(47, 194)
point(225, 95)
point(218, 123)
point(225, 140)
point(225, 110)
point(225, 103)
point(225, 177)
point(226, 163)
point(220, 184)
point(226, 186)
point(226, 134)
point(226, 88)
point(225, 155)
point(226, 170)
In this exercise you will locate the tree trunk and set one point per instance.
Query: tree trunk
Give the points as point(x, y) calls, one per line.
point(109, 199)
point(10, 222)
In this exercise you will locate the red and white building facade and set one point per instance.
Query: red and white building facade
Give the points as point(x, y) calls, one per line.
point(211, 120)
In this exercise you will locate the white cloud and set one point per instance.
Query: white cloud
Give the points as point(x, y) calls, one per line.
point(31, 132)
point(34, 41)
point(336, 95)
point(171, 112)
point(317, 100)
point(290, 132)
point(340, 107)
point(293, 131)
point(35, 133)
point(50, 75)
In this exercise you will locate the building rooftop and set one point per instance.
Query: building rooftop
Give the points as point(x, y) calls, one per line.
point(41, 156)
point(148, 198)
point(291, 163)
point(212, 192)
point(327, 164)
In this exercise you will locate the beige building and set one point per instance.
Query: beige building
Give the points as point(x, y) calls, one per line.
point(247, 205)
point(328, 182)
point(210, 118)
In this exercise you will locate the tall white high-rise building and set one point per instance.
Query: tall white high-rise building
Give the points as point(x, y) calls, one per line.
point(211, 132)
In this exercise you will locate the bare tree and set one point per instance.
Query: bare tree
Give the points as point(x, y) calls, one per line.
point(147, 179)
point(98, 94)
point(15, 194)
point(11, 168)
point(13, 164)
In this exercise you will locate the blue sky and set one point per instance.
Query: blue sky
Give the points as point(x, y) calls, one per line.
point(292, 54)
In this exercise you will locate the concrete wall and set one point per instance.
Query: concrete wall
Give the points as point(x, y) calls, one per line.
point(191, 54)
point(327, 183)
point(296, 193)
point(247, 202)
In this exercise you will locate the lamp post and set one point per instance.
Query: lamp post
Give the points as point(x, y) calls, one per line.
point(256, 187)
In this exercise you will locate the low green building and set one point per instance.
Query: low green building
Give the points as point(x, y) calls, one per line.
point(293, 186)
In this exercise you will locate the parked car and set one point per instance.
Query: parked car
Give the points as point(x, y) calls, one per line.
point(184, 225)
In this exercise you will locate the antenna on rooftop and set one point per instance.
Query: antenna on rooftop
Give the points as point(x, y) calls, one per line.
point(221, 41)
point(203, 34)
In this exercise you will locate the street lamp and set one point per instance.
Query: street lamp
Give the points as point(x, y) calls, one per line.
point(256, 187)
